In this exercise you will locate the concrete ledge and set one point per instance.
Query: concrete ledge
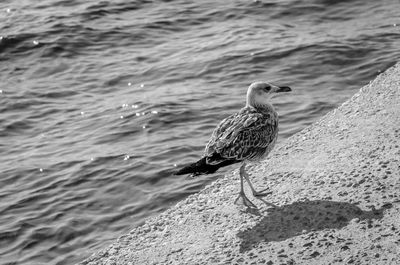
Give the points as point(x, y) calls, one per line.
point(336, 187)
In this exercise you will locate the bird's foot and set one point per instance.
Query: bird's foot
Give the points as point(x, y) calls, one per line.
point(268, 203)
point(243, 200)
point(263, 193)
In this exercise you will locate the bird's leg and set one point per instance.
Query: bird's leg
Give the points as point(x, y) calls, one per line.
point(242, 196)
point(255, 193)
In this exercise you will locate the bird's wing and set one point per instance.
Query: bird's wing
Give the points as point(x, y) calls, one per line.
point(244, 135)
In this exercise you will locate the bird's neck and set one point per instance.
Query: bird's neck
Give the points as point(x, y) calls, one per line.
point(263, 107)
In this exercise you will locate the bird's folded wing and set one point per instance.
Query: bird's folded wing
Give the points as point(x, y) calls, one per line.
point(244, 135)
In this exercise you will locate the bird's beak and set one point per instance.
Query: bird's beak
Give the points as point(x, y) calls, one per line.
point(283, 89)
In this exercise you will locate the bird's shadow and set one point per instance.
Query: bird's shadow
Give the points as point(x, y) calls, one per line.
point(288, 221)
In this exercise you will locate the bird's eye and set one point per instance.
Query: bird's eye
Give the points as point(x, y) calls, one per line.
point(267, 88)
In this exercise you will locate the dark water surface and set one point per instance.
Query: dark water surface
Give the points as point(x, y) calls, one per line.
point(100, 99)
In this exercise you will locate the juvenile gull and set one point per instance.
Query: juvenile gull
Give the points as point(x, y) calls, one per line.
point(246, 136)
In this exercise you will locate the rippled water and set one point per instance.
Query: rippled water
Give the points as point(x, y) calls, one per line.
point(100, 99)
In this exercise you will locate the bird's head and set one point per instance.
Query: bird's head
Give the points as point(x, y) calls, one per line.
point(259, 93)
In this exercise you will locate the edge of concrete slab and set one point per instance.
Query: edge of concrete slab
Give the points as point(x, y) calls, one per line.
point(336, 190)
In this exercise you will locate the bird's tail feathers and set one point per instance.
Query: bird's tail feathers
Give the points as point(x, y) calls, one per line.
point(201, 167)
point(197, 168)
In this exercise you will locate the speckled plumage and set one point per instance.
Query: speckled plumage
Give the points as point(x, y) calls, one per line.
point(249, 134)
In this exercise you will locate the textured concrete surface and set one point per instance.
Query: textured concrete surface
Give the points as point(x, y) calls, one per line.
point(336, 187)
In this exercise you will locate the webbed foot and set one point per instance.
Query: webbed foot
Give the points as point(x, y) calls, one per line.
point(243, 200)
point(263, 193)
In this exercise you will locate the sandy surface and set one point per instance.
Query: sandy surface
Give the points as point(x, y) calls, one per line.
point(335, 185)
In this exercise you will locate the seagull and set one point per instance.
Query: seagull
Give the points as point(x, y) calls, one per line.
point(246, 136)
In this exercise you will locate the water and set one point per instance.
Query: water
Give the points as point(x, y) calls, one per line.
point(100, 99)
